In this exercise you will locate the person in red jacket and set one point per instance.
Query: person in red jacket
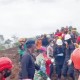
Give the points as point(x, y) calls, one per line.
point(78, 40)
point(5, 67)
point(47, 60)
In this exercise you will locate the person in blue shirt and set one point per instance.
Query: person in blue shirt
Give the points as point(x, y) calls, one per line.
point(27, 62)
point(68, 69)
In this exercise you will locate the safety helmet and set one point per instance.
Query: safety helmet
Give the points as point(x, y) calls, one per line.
point(59, 42)
point(75, 57)
point(5, 63)
point(67, 36)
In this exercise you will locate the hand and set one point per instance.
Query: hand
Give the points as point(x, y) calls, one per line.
point(69, 62)
point(52, 60)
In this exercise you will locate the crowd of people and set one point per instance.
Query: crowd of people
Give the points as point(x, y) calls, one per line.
point(47, 55)
point(41, 57)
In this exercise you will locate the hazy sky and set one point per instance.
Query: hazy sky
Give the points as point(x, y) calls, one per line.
point(27, 18)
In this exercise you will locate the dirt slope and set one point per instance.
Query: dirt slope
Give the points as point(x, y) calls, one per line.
point(13, 55)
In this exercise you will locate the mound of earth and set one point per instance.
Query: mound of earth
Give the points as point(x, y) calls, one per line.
point(13, 55)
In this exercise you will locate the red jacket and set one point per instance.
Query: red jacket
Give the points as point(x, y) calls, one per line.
point(58, 34)
point(48, 62)
point(78, 39)
point(3, 79)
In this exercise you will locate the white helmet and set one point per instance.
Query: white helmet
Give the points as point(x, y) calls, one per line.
point(67, 36)
point(59, 42)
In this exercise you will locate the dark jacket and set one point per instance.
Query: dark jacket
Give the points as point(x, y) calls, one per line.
point(59, 55)
point(45, 42)
point(69, 50)
point(27, 66)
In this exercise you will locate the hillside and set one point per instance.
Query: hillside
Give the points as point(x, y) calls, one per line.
point(13, 55)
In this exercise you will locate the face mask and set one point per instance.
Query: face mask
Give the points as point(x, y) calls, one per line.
point(51, 44)
point(7, 73)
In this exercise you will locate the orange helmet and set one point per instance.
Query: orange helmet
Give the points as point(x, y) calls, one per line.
point(5, 63)
point(75, 57)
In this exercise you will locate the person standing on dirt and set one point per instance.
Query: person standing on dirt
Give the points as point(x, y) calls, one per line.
point(5, 67)
point(45, 41)
point(68, 69)
point(50, 55)
point(59, 55)
point(41, 62)
point(38, 43)
point(75, 59)
point(74, 35)
point(22, 47)
point(50, 49)
point(27, 62)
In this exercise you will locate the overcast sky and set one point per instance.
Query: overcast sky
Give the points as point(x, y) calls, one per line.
point(27, 18)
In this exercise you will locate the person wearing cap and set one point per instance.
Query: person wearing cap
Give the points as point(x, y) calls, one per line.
point(59, 55)
point(69, 49)
point(27, 62)
point(5, 67)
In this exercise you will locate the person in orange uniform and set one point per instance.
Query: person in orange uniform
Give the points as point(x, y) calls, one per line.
point(38, 43)
point(75, 59)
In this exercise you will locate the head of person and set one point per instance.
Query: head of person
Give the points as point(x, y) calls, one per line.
point(45, 35)
point(39, 38)
point(5, 67)
point(22, 41)
point(74, 30)
point(65, 31)
point(51, 43)
point(30, 44)
point(70, 28)
point(60, 37)
point(68, 38)
point(42, 50)
point(62, 29)
point(42, 36)
point(59, 42)
point(57, 30)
